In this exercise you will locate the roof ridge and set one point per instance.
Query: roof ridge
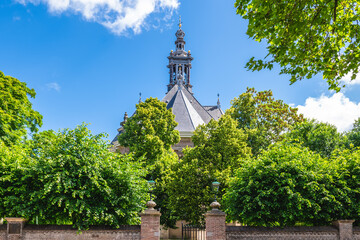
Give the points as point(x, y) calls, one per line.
point(198, 103)
point(187, 109)
point(192, 112)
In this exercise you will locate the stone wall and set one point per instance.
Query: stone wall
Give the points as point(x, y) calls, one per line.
point(341, 230)
point(184, 142)
point(2, 232)
point(57, 232)
point(356, 233)
point(17, 229)
point(288, 233)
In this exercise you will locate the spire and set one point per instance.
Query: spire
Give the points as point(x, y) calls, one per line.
point(180, 34)
point(180, 43)
point(218, 101)
point(180, 62)
point(140, 101)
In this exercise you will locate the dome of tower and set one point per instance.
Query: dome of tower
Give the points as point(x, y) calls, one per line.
point(180, 33)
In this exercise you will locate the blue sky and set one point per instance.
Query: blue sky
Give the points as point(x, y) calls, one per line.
point(88, 62)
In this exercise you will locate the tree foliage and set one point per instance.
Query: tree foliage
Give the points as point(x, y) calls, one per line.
point(16, 113)
point(306, 37)
point(262, 118)
point(348, 179)
point(159, 171)
point(220, 148)
point(322, 138)
point(150, 131)
point(286, 185)
point(71, 177)
point(149, 134)
point(354, 134)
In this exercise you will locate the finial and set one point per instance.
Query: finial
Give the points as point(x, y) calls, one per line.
point(180, 23)
point(140, 101)
point(218, 101)
point(215, 205)
point(125, 119)
point(151, 204)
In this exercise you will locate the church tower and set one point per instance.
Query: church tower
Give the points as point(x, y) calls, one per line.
point(180, 62)
point(189, 113)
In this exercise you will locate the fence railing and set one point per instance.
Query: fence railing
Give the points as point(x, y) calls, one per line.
point(192, 232)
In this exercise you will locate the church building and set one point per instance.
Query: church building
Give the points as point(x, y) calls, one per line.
point(189, 113)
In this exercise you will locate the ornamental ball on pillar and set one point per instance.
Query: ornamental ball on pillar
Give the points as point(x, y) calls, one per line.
point(151, 204)
point(215, 205)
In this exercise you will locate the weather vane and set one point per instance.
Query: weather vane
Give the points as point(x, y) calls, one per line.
point(218, 101)
point(180, 23)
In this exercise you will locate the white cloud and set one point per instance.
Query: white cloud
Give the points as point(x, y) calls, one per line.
point(347, 79)
point(117, 15)
point(53, 86)
point(337, 110)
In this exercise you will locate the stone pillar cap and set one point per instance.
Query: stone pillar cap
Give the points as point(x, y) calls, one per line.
point(153, 212)
point(342, 221)
point(345, 221)
point(14, 219)
point(215, 212)
point(150, 211)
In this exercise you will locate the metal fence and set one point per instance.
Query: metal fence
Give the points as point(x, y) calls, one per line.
point(192, 232)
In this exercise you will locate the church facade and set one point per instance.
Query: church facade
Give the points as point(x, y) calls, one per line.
point(189, 113)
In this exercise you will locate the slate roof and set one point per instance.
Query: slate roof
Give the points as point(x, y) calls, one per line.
point(214, 111)
point(189, 113)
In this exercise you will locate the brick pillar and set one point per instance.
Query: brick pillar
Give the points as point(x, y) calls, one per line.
point(215, 223)
point(345, 229)
point(150, 223)
point(15, 228)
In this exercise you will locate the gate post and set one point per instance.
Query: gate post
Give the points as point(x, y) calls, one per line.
point(215, 223)
point(150, 223)
point(345, 229)
point(15, 228)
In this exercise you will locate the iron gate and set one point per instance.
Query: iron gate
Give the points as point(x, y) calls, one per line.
point(192, 232)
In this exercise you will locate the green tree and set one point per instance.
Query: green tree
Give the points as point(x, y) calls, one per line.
point(348, 180)
point(219, 148)
point(354, 134)
point(159, 171)
point(319, 137)
point(16, 113)
point(71, 177)
point(149, 134)
point(286, 185)
point(150, 131)
point(262, 118)
point(306, 37)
